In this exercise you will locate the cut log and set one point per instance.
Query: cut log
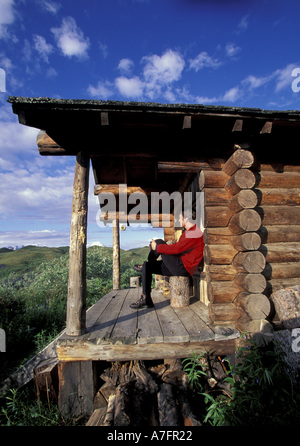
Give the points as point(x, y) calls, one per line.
point(274, 197)
point(289, 180)
point(242, 179)
point(212, 178)
point(76, 303)
point(245, 199)
point(216, 196)
point(277, 234)
point(249, 241)
point(167, 408)
point(253, 283)
point(121, 415)
point(250, 262)
point(248, 325)
point(134, 282)
point(282, 270)
point(109, 417)
point(239, 159)
point(217, 273)
point(257, 306)
point(116, 255)
point(287, 306)
point(219, 254)
point(281, 252)
point(223, 313)
point(217, 216)
point(46, 379)
point(247, 220)
point(179, 291)
point(222, 292)
point(279, 215)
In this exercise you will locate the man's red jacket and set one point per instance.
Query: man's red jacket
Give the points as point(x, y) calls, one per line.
point(189, 247)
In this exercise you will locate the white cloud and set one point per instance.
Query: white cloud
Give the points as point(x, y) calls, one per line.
point(50, 6)
point(163, 69)
point(203, 60)
point(103, 90)
point(243, 24)
point(130, 87)
point(42, 47)
point(125, 65)
point(232, 94)
point(71, 40)
point(284, 77)
point(7, 16)
point(232, 49)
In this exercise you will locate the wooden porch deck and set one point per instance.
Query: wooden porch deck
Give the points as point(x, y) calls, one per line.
point(116, 332)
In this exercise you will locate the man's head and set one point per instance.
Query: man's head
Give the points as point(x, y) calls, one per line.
point(187, 218)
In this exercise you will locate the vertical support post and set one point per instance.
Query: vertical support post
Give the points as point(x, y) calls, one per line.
point(76, 305)
point(116, 254)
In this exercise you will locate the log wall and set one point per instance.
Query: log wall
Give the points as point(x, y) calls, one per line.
point(232, 282)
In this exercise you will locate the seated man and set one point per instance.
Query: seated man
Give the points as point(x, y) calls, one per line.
point(179, 259)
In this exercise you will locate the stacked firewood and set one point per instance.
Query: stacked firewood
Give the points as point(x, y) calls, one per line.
point(133, 395)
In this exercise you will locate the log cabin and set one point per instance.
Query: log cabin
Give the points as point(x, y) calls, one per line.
point(242, 169)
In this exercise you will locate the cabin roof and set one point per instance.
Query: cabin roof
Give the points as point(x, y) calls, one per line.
point(127, 140)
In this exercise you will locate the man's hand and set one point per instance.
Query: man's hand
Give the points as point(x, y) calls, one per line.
point(153, 245)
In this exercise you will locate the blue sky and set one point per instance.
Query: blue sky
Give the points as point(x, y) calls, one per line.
point(236, 52)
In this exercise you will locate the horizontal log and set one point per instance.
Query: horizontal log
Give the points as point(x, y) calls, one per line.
point(282, 270)
point(253, 283)
point(222, 292)
point(219, 254)
point(278, 284)
point(279, 215)
point(239, 159)
point(249, 241)
point(245, 199)
point(216, 196)
point(249, 261)
point(281, 252)
point(248, 325)
point(223, 313)
point(219, 273)
point(247, 220)
point(242, 179)
point(216, 216)
point(217, 236)
point(279, 168)
point(212, 178)
point(179, 166)
point(274, 234)
point(115, 189)
point(287, 180)
point(257, 306)
point(47, 146)
point(276, 197)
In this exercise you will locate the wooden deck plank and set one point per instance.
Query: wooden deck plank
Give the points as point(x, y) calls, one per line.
point(149, 327)
point(103, 327)
point(95, 311)
point(125, 330)
point(172, 328)
point(194, 325)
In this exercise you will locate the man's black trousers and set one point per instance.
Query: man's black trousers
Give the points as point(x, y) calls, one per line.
point(169, 265)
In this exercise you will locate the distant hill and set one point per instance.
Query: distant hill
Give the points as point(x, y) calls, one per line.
point(26, 259)
point(30, 257)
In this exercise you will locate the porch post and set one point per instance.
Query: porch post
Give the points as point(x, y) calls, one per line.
point(116, 254)
point(76, 305)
